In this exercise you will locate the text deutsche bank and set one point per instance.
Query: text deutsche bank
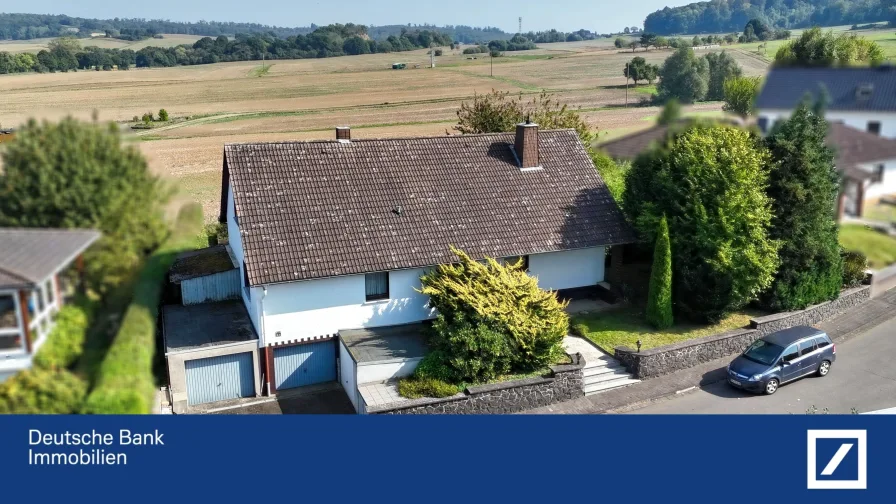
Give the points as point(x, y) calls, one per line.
point(60, 446)
point(837, 459)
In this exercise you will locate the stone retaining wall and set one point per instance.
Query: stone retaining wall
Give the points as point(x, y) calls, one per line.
point(565, 383)
point(666, 359)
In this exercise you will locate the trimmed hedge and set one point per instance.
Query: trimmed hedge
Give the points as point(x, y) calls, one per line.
point(415, 388)
point(125, 383)
point(65, 344)
point(42, 391)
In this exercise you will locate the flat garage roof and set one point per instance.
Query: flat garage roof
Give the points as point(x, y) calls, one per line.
point(206, 325)
point(406, 341)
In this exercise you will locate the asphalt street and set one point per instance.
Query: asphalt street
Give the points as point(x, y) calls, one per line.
point(863, 377)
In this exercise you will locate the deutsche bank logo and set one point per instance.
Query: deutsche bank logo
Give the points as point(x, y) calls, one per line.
point(837, 459)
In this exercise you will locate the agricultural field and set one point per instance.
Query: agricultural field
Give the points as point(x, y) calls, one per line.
point(305, 99)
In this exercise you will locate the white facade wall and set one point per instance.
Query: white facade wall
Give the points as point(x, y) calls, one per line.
point(887, 185)
point(312, 308)
point(249, 296)
point(857, 120)
point(568, 269)
point(347, 375)
point(372, 372)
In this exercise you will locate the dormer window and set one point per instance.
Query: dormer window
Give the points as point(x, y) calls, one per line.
point(864, 91)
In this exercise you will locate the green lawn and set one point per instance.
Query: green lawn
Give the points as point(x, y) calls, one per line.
point(880, 212)
point(626, 326)
point(880, 248)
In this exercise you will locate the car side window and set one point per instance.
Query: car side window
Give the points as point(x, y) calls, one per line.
point(822, 342)
point(791, 353)
point(807, 346)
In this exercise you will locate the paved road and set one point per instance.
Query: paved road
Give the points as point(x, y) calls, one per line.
point(864, 377)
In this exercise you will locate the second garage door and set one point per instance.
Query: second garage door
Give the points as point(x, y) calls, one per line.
point(299, 365)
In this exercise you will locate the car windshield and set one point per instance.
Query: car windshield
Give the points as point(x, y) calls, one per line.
point(763, 352)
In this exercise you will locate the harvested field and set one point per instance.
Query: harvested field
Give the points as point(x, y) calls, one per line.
point(306, 99)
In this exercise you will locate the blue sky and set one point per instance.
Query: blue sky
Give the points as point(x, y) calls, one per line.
point(566, 15)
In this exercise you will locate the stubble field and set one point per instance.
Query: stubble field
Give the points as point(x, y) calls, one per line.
point(306, 99)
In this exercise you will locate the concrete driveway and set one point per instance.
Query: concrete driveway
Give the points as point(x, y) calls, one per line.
point(323, 399)
point(863, 377)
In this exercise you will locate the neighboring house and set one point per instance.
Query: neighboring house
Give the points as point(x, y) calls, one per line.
point(30, 292)
point(331, 236)
point(863, 98)
point(867, 162)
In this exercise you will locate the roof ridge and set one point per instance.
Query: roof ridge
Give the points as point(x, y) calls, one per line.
point(8, 271)
point(390, 139)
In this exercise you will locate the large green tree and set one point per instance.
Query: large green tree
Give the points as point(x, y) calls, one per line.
point(638, 69)
point(722, 67)
point(79, 175)
point(740, 95)
point(817, 48)
point(709, 181)
point(803, 186)
point(499, 111)
point(683, 76)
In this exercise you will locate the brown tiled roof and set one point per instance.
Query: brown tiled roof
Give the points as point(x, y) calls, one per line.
point(629, 146)
point(854, 146)
point(319, 209)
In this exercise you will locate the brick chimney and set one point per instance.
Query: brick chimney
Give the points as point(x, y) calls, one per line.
point(526, 145)
point(343, 134)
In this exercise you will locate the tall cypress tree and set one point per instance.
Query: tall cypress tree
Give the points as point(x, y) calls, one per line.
point(659, 296)
point(803, 186)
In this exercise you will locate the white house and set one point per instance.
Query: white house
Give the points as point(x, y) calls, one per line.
point(31, 261)
point(332, 236)
point(862, 98)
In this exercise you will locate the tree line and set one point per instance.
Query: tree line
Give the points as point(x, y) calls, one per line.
point(31, 26)
point(65, 53)
point(731, 15)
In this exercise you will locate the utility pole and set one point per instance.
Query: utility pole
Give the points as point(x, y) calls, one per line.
point(626, 85)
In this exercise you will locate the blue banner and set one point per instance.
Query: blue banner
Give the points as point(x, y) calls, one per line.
point(437, 458)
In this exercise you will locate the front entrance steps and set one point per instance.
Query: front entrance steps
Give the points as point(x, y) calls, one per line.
point(601, 371)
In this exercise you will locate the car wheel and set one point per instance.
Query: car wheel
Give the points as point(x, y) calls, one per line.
point(824, 368)
point(771, 386)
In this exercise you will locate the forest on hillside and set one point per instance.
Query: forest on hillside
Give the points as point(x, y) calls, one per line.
point(719, 16)
point(65, 53)
point(32, 26)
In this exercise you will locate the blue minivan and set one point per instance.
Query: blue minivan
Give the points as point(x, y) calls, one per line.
point(781, 357)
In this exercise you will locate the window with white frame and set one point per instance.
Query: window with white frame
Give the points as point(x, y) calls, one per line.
point(10, 335)
point(376, 286)
point(50, 289)
point(41, 302)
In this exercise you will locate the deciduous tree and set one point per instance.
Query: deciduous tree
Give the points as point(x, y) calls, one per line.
point(710, 182)
point(740, 95)
point(683, 76)
point(79, 175)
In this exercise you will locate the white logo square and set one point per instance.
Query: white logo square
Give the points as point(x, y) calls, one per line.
point(860, 483)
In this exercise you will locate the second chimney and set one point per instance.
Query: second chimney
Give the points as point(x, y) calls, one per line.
point(526, 144)
point(343, 134)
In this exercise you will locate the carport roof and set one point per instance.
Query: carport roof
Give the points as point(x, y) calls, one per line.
point(206, 325)
point(376, 344)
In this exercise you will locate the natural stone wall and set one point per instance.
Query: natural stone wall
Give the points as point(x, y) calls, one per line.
point(566, 382)
point(666, 359)
point(849, 298)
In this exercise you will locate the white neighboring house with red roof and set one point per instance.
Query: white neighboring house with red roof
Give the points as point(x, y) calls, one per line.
point(31, 290)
